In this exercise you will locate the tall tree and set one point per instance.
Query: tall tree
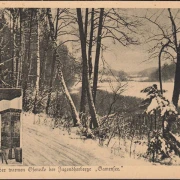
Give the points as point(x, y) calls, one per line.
point(117, 27)
point(98, 46)
point(90, 43)
point(86, 69)
point(37, 62)
point(176, 91)
point(53, 61)
point(83, 90)
point(27, 61)
point(165, 45)
point(75, 115)
point(14, 13)
point(21, 57)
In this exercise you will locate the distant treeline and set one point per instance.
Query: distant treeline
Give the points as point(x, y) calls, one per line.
point(167, 73)
point(120, 74)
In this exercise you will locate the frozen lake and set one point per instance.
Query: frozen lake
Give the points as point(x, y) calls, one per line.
point(133, 88)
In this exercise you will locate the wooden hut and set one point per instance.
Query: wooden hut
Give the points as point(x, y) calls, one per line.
point(10, 119)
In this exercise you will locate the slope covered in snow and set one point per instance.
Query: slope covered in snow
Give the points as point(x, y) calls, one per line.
point(43, 145)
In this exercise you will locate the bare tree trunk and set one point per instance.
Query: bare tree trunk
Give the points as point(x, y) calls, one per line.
point(38, 56)
point(29, 45)
point(11, 46)
point(27, 62)
point(160, 77)
point(1, 84)
point(86, 23)
point(53, 62)
point(51, 82)
point(44, 64)
point(83, 90)
point(46, 46)
point(176, 90)
point(22, 48)
point(90, 43)
point(98, 46)
point(37, 63)
point(86, 70)
point(75, 115)
point(19, 22)
point(14, 50)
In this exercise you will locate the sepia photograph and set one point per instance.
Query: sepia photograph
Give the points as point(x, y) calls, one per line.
point(90, 86)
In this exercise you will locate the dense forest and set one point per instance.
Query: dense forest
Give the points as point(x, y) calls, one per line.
point(35, 56)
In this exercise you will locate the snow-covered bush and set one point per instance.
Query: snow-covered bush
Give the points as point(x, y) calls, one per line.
point(163, 110)
point(155, 101)
point(157, 104)
point(158, 148)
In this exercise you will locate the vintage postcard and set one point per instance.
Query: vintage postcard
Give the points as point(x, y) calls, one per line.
point(89, 89)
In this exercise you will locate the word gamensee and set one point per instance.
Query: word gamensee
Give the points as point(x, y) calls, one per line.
point(112, 169)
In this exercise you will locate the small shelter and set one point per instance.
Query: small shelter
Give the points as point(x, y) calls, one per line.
point(10, 119)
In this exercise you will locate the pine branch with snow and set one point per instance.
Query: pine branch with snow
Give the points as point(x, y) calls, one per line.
point(155, 101)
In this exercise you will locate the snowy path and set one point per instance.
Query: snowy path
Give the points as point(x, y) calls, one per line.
point(45, 146)
point(41, 148)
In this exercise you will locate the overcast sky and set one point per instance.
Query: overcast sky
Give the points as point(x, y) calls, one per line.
point(134, 57)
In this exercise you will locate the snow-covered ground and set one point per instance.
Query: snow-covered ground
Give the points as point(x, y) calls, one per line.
point(43, 145)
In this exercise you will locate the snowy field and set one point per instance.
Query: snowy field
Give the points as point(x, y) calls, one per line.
point(133, 88)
